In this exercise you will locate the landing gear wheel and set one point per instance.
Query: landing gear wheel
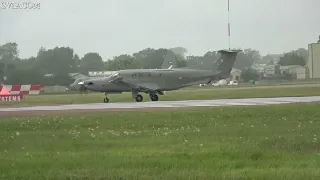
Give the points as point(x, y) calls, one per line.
point(106, 100)
point(154, 97)
point(139, 98)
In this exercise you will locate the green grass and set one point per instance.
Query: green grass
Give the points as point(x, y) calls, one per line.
point(303, 81)
point(269, 142)
point(172, 95)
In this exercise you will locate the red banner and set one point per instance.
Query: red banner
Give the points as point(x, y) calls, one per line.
point(11, 97)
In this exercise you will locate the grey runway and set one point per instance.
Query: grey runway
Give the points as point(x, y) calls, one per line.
point(166, 104)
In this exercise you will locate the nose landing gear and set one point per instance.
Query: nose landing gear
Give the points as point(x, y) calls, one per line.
point(139, 98)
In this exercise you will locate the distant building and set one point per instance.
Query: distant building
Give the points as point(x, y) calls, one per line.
point(235, 74)
point(314, 60)
point(259, 67)
point(302, 72)
point(269, 70)
point(298, 72)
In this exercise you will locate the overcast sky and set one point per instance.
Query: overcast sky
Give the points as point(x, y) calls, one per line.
point(114, 27)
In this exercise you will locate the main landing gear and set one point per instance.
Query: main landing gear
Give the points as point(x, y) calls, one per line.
point(139, 98)
point(153, 97)
point(106, 99)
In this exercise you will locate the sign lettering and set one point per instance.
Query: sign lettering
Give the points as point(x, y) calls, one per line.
point(11, 97)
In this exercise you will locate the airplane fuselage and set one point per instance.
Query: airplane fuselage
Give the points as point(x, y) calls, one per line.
point(160, 79)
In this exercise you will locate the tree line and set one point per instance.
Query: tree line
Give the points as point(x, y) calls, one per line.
point(52, 66)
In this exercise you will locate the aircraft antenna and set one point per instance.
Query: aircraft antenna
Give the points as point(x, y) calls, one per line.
point(229, 22)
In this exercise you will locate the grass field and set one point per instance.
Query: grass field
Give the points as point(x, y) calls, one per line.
point(199, 94)
point(269, 142)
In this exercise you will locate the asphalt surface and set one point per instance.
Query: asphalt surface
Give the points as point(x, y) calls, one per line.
point(167, 104)
point(210, 87)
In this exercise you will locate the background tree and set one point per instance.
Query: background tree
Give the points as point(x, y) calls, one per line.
point(302, 52)
point(25, 76)
point(77, 62)
point(247, 58)
point(194, 61)
point(270, 59)
point(250, 74)
point(179, 51)
point(202, 62)
point(292, 58)
point(52, 66)
point(208, 59)
point(9, 52)
point(123, 62)
point(55, 61)
point(91, 62)
point(152, 59)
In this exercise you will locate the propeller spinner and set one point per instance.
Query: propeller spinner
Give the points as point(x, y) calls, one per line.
point(82, 89)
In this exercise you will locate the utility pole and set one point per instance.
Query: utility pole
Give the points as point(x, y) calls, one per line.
point(229, 22)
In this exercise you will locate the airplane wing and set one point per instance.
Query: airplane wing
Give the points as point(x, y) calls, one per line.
point(116, 79)
point(144, 87)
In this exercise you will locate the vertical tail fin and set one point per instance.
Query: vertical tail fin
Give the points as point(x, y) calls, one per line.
point(225, 62)
point(169, 61)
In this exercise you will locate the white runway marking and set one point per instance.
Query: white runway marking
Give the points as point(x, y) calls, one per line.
point(186, 103)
